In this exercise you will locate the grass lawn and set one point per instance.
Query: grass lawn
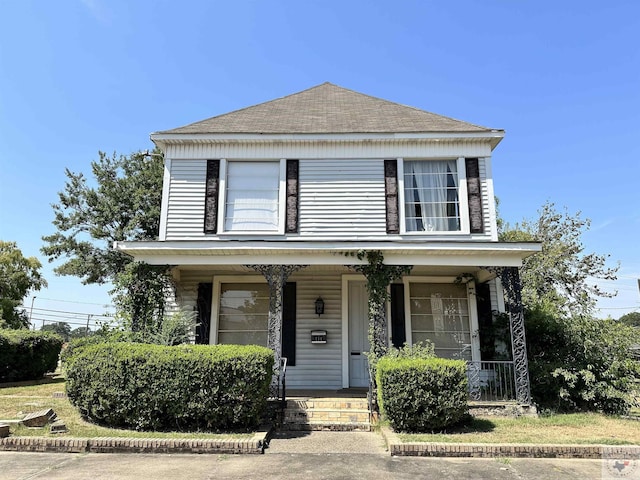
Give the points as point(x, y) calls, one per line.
point(577, 428)
point(15, 402)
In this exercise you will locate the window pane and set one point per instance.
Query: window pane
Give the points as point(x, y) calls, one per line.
point(431, 196)
point(243, 313)
point(252, 196)
point(440, 313)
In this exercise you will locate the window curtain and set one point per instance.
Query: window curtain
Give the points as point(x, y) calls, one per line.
point(432, 202)
point(252, 196)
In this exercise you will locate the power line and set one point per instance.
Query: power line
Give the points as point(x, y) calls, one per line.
point(74, 301)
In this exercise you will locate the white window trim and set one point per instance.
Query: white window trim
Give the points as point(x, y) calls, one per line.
point(463, 199)
point(218, 280)
point(474, 329)
point(282, 198)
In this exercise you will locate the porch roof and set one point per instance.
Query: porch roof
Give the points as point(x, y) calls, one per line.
point(446, 253)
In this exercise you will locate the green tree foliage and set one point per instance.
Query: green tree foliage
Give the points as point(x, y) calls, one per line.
point(61, 328)
point(140, 292)
point(581, 363)
point(561, 276)
point(121, 203)
point(632, 319)
point(18, 276)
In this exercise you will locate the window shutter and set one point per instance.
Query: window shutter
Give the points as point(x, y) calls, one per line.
point(398, 332)
point(211, 196)
point(291, 225)
point(205, 291)
point(289, 323)
point(391, 195)
point(474, 195)
point(485, 321)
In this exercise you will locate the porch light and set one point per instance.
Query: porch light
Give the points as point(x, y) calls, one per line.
point(319, 306)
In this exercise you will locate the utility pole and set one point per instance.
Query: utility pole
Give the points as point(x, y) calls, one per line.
point(31, 313)
point(86, 333)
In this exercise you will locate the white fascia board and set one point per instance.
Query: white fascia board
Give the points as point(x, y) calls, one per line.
point(338, 253)
point(494, 136)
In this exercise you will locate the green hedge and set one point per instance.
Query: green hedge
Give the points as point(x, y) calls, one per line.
point(422, 395)
point(27, 355)
point(154, 387)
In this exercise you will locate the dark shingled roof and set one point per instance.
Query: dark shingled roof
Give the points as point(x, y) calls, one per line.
point(328, 108)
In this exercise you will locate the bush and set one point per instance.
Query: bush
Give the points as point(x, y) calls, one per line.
point(581, 364)
point(153, 387)
point(421, 395)
point(27, 355)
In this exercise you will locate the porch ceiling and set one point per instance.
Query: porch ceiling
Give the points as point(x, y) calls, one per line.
point(209, 253)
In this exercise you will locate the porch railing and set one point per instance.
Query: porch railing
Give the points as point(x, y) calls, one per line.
point(491, 381)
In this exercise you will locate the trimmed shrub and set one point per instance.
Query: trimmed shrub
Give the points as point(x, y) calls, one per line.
point(155, 387)
point(422, 395)
point(27, 355)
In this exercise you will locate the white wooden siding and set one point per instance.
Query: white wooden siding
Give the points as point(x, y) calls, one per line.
point(342, 198)
point(185, 209)
point(317, 365)
point(487, 196)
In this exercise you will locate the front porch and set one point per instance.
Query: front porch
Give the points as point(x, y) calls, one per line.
point(492, 391)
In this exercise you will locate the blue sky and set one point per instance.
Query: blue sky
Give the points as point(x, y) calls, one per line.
point(562, 78)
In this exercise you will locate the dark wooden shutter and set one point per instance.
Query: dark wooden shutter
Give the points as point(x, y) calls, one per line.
point(289, 323)
point(205, 291)
point(398, 331)
point(211, 196)
point(391, 195)
point(474, 195)
point(291, 225)
point(485, 322)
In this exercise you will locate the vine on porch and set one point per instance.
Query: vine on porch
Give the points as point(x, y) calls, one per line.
point(379, 276)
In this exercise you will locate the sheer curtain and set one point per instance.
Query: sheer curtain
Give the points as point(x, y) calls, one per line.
point(252, 196)
point(428, 196)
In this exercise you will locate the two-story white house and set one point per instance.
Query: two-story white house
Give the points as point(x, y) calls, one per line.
point(271, 202)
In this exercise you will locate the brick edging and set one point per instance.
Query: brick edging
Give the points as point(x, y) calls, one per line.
point(492, 450)
point(253, 445)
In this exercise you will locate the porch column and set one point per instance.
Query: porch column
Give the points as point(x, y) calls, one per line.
point(276, 276)
point(510, 277)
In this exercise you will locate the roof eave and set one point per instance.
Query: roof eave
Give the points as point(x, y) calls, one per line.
point(162, 139)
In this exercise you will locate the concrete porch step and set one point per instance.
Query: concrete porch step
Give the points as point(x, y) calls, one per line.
point(327, 426)
point(327, 413)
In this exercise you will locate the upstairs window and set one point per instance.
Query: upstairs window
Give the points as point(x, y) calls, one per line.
point(253, 194)
point(431, 196)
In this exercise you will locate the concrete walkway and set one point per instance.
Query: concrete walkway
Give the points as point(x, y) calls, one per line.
point(327, 443)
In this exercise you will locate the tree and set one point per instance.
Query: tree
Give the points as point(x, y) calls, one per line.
point(18, 276)
point(560, 277)
point(123, 205)
point(581, 363)
point(80, 332)
point(632, 319)
point(61, 328)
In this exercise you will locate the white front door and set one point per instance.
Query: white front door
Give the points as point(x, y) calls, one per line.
point(358, 335)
